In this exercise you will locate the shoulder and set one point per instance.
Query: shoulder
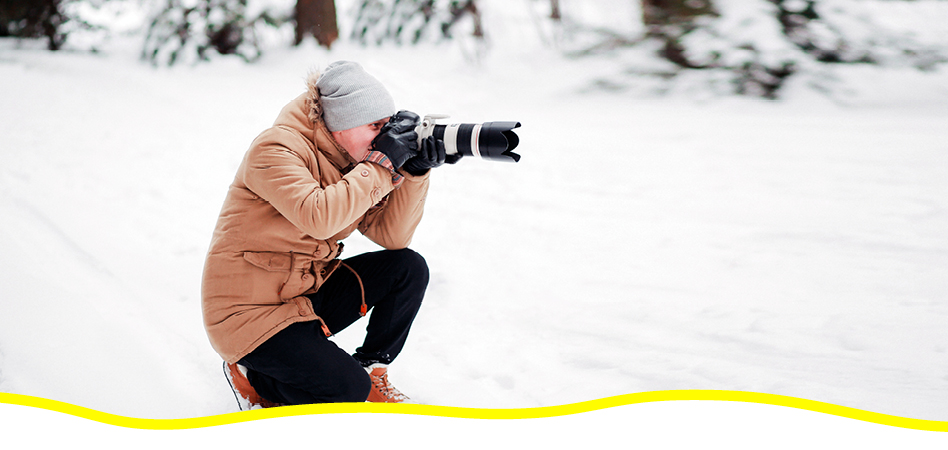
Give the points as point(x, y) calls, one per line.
point(282, 139)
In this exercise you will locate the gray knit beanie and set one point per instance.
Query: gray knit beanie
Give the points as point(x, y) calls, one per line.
point(350, 97)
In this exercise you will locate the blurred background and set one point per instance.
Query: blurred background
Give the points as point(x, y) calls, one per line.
point(744, 47)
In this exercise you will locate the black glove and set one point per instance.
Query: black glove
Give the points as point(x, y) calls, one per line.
point(397, 139)
point(430, 155)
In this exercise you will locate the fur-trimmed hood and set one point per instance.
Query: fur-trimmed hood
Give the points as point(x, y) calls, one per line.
point(314, 109)
point(304, 114)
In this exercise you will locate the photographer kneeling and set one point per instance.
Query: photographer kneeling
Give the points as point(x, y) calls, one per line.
point(274, 289)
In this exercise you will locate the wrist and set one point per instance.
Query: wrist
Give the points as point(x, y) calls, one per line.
point(381, 159)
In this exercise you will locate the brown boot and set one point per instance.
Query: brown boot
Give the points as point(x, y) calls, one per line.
point(247, 397)
point(382, 390)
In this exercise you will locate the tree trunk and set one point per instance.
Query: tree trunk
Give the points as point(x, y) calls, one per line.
point(33, 19)
point(669, 20)
point(316, 18)
point(458, 11)
point(674, 12)
point(555, 13)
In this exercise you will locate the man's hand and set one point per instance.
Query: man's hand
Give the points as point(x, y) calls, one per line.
point(430, 155)
point(398, 139)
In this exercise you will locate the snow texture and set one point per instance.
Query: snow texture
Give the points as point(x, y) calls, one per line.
point(689, 241)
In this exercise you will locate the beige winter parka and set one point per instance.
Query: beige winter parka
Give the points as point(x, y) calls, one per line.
point(295, 196)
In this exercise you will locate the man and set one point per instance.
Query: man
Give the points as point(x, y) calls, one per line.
point(274, 289)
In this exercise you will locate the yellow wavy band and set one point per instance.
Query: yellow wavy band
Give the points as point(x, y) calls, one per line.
point(475, 413)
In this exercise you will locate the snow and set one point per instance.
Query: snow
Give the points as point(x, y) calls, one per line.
point(643, 243)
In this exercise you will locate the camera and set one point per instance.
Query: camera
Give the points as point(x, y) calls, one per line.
point(489, 140)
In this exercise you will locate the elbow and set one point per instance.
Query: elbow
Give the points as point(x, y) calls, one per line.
point(392, 242)
point(322, 232)
point(317, 231)
point(397, 245)
point(321, 236)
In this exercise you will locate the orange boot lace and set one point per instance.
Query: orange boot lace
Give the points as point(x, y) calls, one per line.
point(382, 390)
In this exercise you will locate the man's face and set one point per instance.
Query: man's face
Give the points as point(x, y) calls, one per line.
point(356, 141)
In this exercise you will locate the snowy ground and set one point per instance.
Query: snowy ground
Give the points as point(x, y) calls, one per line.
point(796, 247)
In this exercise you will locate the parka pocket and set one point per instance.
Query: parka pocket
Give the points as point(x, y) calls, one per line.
point(298, 269)
point(270, 261)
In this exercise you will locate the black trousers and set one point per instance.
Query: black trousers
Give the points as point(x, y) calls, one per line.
point(299, 365)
